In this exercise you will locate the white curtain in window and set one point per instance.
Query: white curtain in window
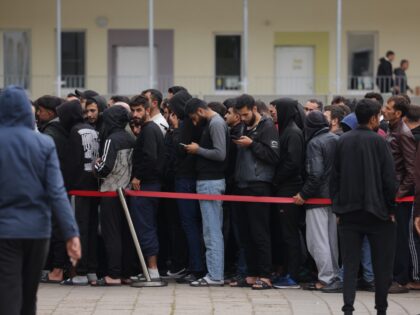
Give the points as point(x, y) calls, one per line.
point(16, 52)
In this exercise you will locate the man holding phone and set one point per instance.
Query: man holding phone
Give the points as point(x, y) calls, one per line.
point(257, 157)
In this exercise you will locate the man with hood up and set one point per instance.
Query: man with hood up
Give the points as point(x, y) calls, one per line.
point(32, 189)
point(114, 169)
point(321, 223)
point(288, 181)
point(95, 106)
point(82, 152)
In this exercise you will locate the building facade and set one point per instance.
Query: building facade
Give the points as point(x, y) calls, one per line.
point(198, 45)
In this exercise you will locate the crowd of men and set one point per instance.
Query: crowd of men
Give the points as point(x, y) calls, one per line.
point(360, 154)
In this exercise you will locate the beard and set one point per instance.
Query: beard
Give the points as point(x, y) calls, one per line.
point(139, 121)
point(251, 122)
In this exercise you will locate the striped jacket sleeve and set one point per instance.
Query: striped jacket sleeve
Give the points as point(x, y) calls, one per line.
point(106, 163)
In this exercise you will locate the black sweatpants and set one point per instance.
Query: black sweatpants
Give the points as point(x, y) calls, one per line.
point(254, 230)
point(21, 262)
point(402, 254)
point(353, 227)
point(57, 257)
point(290, 216)
point(87, 220)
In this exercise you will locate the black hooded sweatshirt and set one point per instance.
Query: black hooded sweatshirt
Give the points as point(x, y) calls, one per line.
point(114, 167)
point(82, 149)
point(288, 179)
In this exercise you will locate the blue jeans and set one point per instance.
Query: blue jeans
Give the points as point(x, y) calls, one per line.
point(366, 261)
point(212, 215)
point(144, 215)
point(190, 216)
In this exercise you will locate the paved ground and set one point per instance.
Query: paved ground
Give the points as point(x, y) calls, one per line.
point(182, 299)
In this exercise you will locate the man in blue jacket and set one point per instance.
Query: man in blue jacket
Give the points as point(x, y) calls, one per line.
point(31, 187)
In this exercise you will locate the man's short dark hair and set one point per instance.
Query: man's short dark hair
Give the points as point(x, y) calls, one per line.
point(176, 88)
point(218, 108)
point(389, 53)
point(120, 98)
point(139, 100)
point(317, 102)
point(155, 95)
point(366, 109)
point(376, 96)
point(403, 61)
point(245, 100)
point(49, 102)
point(337, 112)
point(193, 105)
point(338, 99)
point(400, 103)
point(413, 114)
point(229, 102)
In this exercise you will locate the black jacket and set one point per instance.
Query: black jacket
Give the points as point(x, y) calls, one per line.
point(82, 149)
point(257, 163)
point(236, 132)
point(288, 178)
point(149, 152)
point(185, 163)
point(320, 154)
point(384, 78)
point(114, 167)
point(56, 131)
point(401, 80)
point(363, 176)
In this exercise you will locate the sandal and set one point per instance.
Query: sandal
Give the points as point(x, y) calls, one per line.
point(240, 283)
point(261, 285)
point(313, 286)
point(45, 278)
point(70, 281)
point(203, 282)
point(102, 283)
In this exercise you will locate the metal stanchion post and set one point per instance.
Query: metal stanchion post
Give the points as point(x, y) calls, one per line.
point(148, 282)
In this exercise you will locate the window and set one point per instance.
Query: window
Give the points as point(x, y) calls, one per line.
point(361, 52)
point(73, 59)
point(16, 61)
point(228, 62)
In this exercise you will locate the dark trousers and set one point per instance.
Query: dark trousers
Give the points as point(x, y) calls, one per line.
point(87, 220)
point(57, 256)
point(254, 230)
point(144, 214)
point(21, 262)
point(290, 216)
point(190, 217)
point(111, 227)
point(402, 254)
point(381, 235)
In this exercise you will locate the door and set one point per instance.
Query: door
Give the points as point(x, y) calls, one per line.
point(132, 69)
point(294, 70)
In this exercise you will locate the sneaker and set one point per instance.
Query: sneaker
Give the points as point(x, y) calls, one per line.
point(334, 287)
point(397, 288)
point(177, 274)
point(285, 283)
point(363, 285)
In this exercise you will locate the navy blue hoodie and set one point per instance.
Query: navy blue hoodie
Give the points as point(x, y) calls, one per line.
point(31, 184)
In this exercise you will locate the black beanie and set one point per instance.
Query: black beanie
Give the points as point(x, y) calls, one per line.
point(177, 103)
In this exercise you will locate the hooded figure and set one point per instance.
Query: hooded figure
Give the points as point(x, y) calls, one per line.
point(288, 181)
point(349, 122)
point(115, 164)
point(83, 146)
point(101, 104)
point(31, 189)
point(292, 147)
point(315, 124)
